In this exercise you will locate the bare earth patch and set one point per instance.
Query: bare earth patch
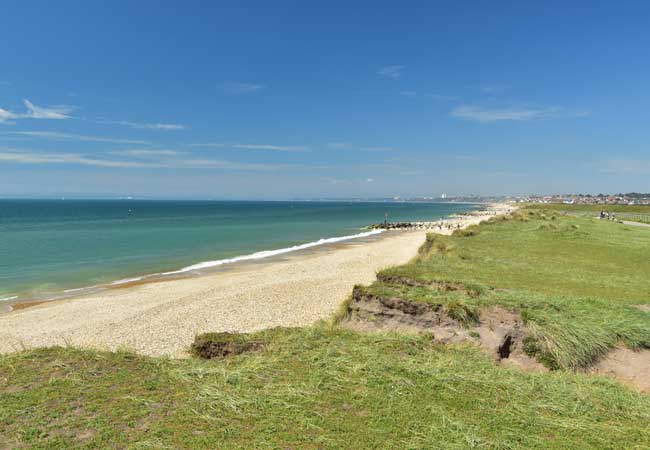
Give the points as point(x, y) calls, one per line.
point(499, 331)
point(628, 366)
point(645, 308)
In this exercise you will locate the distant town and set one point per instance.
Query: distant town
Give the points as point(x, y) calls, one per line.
point(631, 198)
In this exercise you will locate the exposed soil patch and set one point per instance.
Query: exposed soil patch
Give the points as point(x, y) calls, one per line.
point(221, 345)
point(628, 366)
point(645, 308)
point(497, 330)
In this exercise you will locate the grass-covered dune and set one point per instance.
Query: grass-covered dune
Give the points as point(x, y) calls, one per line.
point(642, 209)
point(574, 280)
point(634, 213)
point(310, 389)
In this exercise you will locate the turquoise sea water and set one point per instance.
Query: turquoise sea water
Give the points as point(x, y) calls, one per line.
point(50, 246)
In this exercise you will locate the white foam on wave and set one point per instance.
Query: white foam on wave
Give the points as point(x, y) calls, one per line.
point(126, 280)
point(268, 253)
point(67, 291)
point(6, 299)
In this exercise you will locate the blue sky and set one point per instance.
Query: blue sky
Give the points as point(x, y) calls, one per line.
point(288, 99)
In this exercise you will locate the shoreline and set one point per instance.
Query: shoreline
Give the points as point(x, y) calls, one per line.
point(162, 317)
point(196, 269)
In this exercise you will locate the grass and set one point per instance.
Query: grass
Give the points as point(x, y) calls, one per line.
point(311, 388)
point(632, 213)
point(640, 209)
point(573, 279)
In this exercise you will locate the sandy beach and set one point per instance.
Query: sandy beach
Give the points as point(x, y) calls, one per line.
point(162, 318)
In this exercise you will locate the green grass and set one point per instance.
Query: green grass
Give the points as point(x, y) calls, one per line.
point(642, 209)
point(633, 213)
point(573, 279)
point(311, 388)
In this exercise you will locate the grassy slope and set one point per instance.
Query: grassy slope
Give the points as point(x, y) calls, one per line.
point(633, 213)
point(327, 388)
point(643, 209)
point(574, 279)
point(312, 388)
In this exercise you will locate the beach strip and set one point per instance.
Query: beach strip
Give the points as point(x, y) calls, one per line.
point(162, 317)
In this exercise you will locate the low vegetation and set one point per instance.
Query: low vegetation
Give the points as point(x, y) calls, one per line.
point(574, 281)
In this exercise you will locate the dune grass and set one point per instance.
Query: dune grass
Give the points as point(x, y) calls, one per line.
point(574, 280)
point(312, 388)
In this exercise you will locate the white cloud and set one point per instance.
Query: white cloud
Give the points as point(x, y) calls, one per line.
point(369, 180)
point(630, 167)
point(63, 158)
point(146, 153)
point(493, 89)
point(391, 71)
point(150, 126)
point(38, 112)
point(414, 94)
point(241, 88)
point(349, 146)
point(31, 157)
point(484, 115)
point(52, 135)
point(269, 147)
point(7, 116)
point(442, 97)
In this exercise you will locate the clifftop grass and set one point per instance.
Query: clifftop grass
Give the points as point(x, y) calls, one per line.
point(574, 280)
point(314, 388)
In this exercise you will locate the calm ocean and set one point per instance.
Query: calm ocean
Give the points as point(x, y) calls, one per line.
point(50, 246)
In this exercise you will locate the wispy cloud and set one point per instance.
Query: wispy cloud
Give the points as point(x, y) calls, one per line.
point(34, 157)
point(493, 89)
point(63, 158)
point(485, 115)
point(146, 153)
point(391, 71)
point(36, 112)
point(39, 112)
point(414, 94)
point(148, 126)
point(268, 147)
point(624, 166)
point(235, 87)
point(7, 116)
point(55, 136)
point(349, 146)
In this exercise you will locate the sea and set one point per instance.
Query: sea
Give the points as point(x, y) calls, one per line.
point(58, 248)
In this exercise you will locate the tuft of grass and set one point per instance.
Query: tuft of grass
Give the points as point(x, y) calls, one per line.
point(464, 314)
point(472, 230)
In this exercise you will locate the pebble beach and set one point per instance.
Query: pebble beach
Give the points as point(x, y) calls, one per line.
point(163, 317)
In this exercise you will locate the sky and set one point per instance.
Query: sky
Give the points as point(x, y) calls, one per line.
point(276, 100)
